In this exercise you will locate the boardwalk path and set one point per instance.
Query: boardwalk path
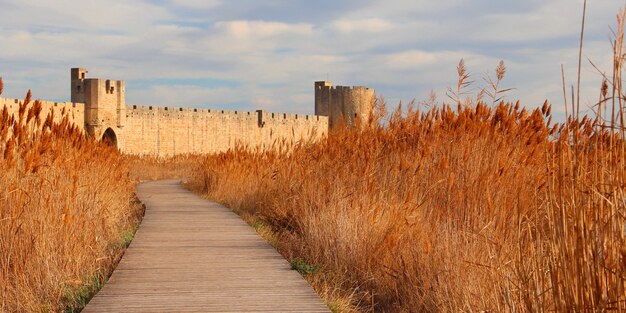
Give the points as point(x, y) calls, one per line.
point(193, 255)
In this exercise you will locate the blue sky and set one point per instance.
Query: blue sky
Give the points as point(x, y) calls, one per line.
point(248, 55)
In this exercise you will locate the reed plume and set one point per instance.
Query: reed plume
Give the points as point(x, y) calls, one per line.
point(66, 202)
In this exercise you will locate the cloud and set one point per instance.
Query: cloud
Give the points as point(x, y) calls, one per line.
point(549, 20)
point(414, 58)
point(370, 25)
point(83, 16)
point(243, 29)
point(274, 50)
point(196, 4)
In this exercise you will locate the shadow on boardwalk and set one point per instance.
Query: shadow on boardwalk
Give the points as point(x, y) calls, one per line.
point(193, 255)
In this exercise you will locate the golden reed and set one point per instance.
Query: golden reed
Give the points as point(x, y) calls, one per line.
point(471, 207)
point(65, 202)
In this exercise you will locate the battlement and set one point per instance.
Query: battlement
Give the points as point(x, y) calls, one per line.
point(263, 117)
point(104, 99)
point(287, 116)
point(87, 90)
point(321, 85)
point(350, 88)
point(139, 109)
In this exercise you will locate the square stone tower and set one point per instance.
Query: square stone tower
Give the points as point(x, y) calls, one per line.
point(105, 103)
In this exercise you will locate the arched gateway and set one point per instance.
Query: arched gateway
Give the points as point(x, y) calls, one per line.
point(109, 137)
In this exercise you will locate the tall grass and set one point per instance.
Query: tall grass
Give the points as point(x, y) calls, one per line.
point(142, 168)
point(65, 203)
point(471, 207)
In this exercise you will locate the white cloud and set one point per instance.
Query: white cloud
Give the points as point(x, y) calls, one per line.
point(243, 28)
point(182, 96)
point(197, 4)
point(82, 15)
point(552, 19)
point(412, 59)
point(403, 9)
point(370, 25)
point(264, 101)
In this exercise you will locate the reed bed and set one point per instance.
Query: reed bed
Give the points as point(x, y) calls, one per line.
point(468, 207)
point(145, 168)
point(67, 209)
point(471, 209)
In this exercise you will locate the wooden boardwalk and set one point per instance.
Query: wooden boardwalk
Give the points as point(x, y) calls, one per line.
point(193, 255)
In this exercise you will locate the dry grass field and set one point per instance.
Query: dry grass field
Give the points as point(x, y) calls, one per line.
point(468, 207)
point(478, 208)
point(67, 209)
point(147, 168)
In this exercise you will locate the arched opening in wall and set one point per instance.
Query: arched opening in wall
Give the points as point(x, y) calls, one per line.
point(109, 137)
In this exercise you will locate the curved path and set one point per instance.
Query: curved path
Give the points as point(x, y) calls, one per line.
point(193, 255)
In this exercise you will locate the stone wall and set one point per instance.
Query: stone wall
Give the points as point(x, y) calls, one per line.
point(75, 111)
point(99, 108)
point(165, 131)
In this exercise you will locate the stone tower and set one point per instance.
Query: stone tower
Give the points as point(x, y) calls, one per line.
point(105, 105)
point(343, 104)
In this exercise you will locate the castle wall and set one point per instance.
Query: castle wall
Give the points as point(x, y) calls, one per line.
point(99, 108)
point(165, 131)
point(75, 111)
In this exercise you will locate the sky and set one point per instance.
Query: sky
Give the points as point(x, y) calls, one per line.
point(249, 55)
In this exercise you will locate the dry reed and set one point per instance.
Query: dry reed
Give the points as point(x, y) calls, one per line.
point(65, 203)
point(474, 207)
point(143, 168)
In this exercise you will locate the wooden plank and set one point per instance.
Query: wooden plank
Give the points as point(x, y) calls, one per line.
point(193, 255)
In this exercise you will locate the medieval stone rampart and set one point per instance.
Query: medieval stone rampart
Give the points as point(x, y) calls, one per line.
point(75, 111)
point(99, 108)
point(172, 130)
